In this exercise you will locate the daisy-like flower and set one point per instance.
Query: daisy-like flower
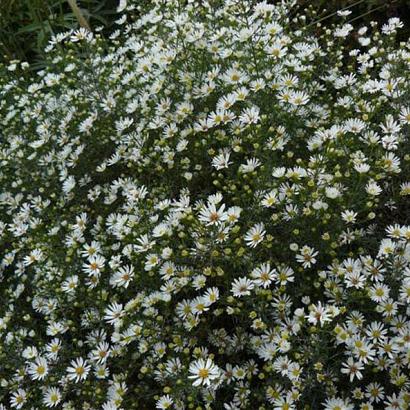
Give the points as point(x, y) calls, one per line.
point(242, 287)
point(234, 76)
point(405, 115)
point(375, 392)
point(250, 166)
point(362, 168)
point(199, 306)
point(212, 216)
point(376, 331)
point(405, 291)
point(354, 125)
point(349, 216)
point(91, 250)
point(123, 276)
point(264, 275)
point(184, 309)
point(298, 98)
point(69, 285)
point(52, 397)
point(255, 235)
point(337, 404)
point(250, 116)
point(379, 293)
point(101, 352)
point(355, 279)
point(221, 161)
point(114, 313)
point(307, 256)
point(151, 261)
point(95, 265)
point(373, 188)
point(53, 348)
point(164, 402)
point(18, 399)
point(353, 369)
point(319, 314)
point(35, 256)
point(285, 275)
point(101, 371)
point(39, 369)
point(78, 370)
point(394, 231)
point(270, 199)
point(387, 247)
point(211, 296)
point(69, 184)
point(233, 213)
point(203, 372)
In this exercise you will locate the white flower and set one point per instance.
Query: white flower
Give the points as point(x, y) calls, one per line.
point(18, 399)
point(332, 192)
point(114, 313)
point(211, 296)
point(242, 287)
point(379, 293)
point(35, 256)
point(212, 216)
point(319, 314)
point(270, 199)
point(298, 98)
point(78, 370)
point(250, 116)
point(123, 277)
point(203, 372)
point(39, 369)
point(69, 184)
point(362, 168)
point(121, 6)
point(255, 235)
point(352, 369)
point(343, 31)
point(101, 352)
point(337, 404)
point(221, 161)
point(373, 188)
point(349, 216)
point(264, 275)
point(52, 397)
point(307, 256)
point(387, 247)
point(70, 284)
point(164, 402)
point(151, 261)
point(250, 166)
point(234, 212)
point(95, 265)
point(161, 230)
point(405, 115)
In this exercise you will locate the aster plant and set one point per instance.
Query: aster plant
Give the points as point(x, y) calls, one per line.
point(207, 210)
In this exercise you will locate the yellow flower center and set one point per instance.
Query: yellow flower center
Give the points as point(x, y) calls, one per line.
point(203, 373)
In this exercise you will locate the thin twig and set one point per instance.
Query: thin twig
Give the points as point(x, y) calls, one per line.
point(369, 12)
point(331, 15)
point(78, 14)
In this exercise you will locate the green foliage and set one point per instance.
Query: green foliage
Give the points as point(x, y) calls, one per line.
point(26, 26)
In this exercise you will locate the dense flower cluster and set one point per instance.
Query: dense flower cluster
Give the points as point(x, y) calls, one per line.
point(208, 210)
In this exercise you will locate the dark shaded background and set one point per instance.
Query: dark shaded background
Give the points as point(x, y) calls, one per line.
point(26, 25)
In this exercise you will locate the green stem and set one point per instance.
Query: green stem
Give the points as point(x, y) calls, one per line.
point(333, 14)
point(369, 12)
